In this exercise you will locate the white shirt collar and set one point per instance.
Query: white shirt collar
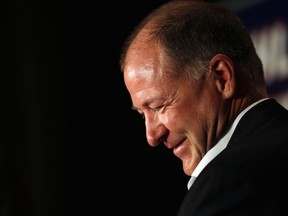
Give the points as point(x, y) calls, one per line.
point(219, 147)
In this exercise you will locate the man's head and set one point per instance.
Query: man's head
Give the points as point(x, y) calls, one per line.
point(190, 68)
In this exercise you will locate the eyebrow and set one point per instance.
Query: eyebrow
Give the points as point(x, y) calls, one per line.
point(144, 104)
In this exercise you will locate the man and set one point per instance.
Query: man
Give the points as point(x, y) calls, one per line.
point(193, 73)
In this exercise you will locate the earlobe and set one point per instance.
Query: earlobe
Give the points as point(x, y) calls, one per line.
point(223, 73)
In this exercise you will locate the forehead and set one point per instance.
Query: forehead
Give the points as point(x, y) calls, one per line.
point(146, 69)
point(144, 59)
point(144, 49)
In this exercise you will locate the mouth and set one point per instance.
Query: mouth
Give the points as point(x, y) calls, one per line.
point(173, 146)
point(178, 149)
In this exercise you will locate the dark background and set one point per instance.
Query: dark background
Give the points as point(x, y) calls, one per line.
point(74, 145)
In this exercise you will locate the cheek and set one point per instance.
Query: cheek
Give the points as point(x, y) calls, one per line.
point(177, 121)
point(193, 116)
point(170, 119)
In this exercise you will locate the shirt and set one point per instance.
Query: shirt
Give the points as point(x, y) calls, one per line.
point(219, 147)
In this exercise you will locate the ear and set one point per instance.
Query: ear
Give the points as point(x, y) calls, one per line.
point(222, 69)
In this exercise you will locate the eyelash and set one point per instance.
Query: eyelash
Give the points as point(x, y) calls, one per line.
point(159, 108)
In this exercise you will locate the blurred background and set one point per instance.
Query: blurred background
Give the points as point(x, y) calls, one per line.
point(73, 144)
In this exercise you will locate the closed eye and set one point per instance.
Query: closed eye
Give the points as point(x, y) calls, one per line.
point(159, 108)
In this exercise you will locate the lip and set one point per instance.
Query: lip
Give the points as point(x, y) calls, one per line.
point(172, 146)
point(179, 149)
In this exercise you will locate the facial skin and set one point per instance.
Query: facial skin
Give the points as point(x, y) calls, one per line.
point(187, 116)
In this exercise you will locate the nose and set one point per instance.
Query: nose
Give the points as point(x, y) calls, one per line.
point(155, 132)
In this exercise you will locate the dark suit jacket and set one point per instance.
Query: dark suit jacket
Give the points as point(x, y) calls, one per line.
point(250, 176)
